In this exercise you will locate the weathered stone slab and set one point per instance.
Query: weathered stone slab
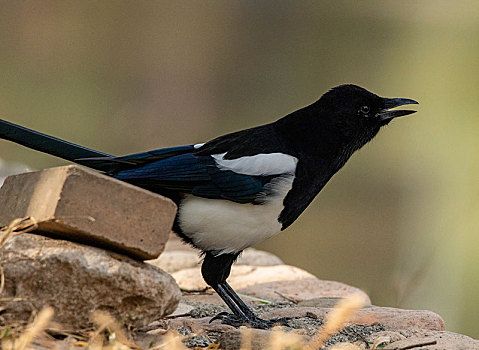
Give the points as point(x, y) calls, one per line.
point(82, 205)
point(176, 260)
point(433, 340)
point(256, 339)
point(76, 279)
point(305, 292)
point(393, 319)
point(241, 276)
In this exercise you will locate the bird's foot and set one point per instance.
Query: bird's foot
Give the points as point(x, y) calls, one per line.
point(254, 322)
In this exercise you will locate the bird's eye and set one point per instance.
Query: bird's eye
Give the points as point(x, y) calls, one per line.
point(364, 109)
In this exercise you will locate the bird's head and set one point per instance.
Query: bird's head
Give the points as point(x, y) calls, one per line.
point(360, 107)
point(358, 113)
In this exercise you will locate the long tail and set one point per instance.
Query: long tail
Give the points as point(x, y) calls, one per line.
point(54, 146)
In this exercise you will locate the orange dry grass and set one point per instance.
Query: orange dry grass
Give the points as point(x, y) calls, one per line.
point(17, 227)
point(337, 319)
point(118, 340)
point(34, 330)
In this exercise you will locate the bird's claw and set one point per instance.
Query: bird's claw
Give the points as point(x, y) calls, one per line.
point(221, 316)
point(254, 322)
point(229, 319)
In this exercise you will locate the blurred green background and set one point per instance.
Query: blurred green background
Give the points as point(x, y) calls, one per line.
point(401, 220)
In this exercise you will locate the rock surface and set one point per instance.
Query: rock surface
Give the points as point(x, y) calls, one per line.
point(82, 205)
point(256, 257)
point(77, 279)
point(372, 324)
point(242, 276)
point(307, 290)
point(425, 340)
point(391, 318)
point(257, 339)
point(301, 290)
point(176, 260)
point(429, 340)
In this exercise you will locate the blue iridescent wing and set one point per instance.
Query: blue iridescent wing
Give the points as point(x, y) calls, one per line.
point(188, 173)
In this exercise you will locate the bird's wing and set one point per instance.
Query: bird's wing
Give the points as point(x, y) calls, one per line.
point(197, 175)
point(236, 167)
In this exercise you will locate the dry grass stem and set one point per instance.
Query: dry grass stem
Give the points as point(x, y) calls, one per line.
point(246, 339)
point(2, 280)
point(337, 318)
point(346, 346)
point(34, 330)
point(118, 338)
point(281, 340)
point(16, 227)
point(172, 342)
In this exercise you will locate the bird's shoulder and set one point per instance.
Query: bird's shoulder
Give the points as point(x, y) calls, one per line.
point(264, 139)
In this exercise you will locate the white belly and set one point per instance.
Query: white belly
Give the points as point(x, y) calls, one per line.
point(226, 227)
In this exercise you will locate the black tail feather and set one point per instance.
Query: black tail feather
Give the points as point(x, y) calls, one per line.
point(54, 146)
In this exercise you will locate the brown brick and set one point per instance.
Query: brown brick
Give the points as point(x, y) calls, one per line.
point(82, 205)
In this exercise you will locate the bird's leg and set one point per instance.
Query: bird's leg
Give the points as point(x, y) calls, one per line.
point(237, 310)
point(238, 317)
point(238, 301)
point(215, 270)
point(249, 313)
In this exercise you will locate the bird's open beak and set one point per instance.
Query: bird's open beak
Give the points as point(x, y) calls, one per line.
point(389, 103)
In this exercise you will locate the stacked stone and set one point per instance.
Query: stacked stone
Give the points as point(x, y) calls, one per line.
point(87, 251)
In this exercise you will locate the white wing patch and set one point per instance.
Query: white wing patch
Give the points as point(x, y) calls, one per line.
point(198, 145)
point(259, 164)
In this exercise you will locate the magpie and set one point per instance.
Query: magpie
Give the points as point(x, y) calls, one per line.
point(241, 188)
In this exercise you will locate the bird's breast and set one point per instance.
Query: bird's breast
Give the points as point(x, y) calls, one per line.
point(224, 226)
